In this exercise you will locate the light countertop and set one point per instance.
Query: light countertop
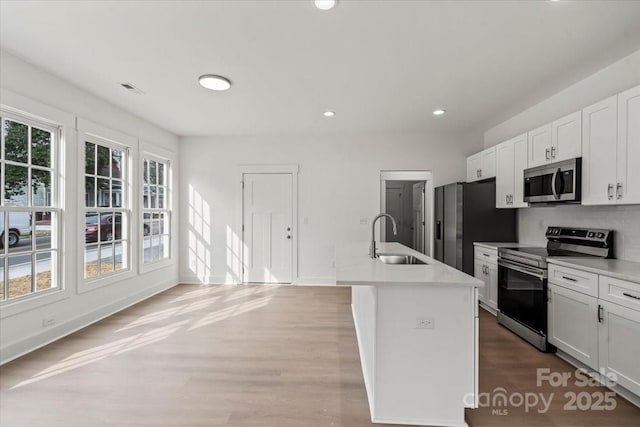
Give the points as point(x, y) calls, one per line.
point(497, 245)
point(354, 267)
point(619, 269)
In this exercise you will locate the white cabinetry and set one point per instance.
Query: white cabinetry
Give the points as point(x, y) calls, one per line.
point(511, 160)
point(560, 140)
point(481, 165)
point(611, 150)
point(486, 269)
point(573, 324)
point(596, 320)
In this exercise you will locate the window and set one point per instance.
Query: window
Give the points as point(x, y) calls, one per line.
point(29, 209)
point(106, 212)
point(156, 212)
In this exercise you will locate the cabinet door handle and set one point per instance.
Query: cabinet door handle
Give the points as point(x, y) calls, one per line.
point(477, 173)
point(480, 171)
point(553, 152)
point(571, 279)
point(547, 154)
point(487, 255)
point(630, 295)
point(600, 311)
point(619, 190)
point(610, 191)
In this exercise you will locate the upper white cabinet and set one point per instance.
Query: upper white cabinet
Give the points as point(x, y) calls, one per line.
point(611, 150)
point(628, 171)
point(511, 159)
point(481, 165)
point(560, 140)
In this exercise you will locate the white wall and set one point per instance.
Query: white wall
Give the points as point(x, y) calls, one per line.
point(613, 79)
point(29, 86)
point(339, 182)
point(625, 220)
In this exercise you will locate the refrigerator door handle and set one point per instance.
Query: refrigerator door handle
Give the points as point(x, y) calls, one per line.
point(438, 230)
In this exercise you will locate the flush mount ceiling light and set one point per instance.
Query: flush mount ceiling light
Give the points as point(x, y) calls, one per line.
point(439, 111)
point(325, 4)
point(329, 113)
point(213, 82)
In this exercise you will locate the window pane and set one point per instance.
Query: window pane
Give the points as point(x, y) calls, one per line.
point(146, 244)
point(116, 164)
point(152, 172)
point(161, 223)
point(145, 196)
point(161, 198)
point(15, 185)
point(91, 261)
point(20, 275)
point(41, 188)
point(116, 193)
point(40, 147)
point(155, 248)
point(44, 280)
point(106, 258)
point(104, 192)
point(20, 233)
point(89, 191)
point(89, 158)
point(145, 173)
point(146, 224)
point(106, 226)
point(16, 144)
point(1, 278)
point(153, 197)
point(161, 171)
point(91, 227)
point(117, 225)
point(41, 223)
point(119, 251)
point(104, 161)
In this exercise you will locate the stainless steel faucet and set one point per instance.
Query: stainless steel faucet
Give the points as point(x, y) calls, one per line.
point(372, 248)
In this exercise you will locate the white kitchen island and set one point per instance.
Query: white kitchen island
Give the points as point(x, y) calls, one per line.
point(417, 330)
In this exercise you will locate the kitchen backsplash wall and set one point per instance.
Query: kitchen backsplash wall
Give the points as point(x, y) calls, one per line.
point(625, 220)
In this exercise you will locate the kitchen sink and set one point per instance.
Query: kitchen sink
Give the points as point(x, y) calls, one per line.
point(388, 258)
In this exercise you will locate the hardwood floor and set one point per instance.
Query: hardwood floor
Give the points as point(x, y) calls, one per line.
point(247, 356)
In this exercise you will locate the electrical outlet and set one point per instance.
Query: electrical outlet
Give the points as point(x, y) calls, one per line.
point(424, 323)
point(50, 321)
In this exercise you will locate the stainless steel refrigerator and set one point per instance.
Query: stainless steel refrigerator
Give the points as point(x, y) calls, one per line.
point(466, 213)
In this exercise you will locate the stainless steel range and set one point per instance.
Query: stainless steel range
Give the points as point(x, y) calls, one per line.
point(522, 278)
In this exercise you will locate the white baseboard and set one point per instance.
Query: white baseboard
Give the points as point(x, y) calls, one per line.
point(223, 280)
point(316, 281)
point(26, 345)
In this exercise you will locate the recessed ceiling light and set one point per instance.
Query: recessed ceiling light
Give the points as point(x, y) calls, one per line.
point(439, 111)
point(213, 82)
point(329, 113)
point(325, 4)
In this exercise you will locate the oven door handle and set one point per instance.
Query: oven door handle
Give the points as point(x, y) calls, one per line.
point(540, 274)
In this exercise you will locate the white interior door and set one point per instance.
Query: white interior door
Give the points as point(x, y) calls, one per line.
point(267, 227)
point(418, 216)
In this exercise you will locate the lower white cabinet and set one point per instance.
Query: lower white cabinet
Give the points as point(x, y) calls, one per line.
point(600, 330)
point(486, 269)
point(620, 344)
point(573, 324)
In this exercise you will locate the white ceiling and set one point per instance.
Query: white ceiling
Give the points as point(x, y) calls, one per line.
point(383, 66)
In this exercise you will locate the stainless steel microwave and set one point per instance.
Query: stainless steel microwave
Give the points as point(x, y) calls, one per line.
point(555, 182)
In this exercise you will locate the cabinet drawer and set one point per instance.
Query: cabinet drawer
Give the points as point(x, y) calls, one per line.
point(620, 292)
point(577, 280)
point(486, 254)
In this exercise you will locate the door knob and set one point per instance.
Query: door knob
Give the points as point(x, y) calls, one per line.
point(288, 228)
point(288, 236)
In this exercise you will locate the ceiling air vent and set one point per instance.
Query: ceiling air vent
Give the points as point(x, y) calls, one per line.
point(132, 88)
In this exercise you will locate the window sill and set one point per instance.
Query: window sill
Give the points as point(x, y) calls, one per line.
point(152, 266)
point(12, 308)
point(88, 285)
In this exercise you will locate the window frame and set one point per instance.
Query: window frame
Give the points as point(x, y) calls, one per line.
point(97, 134)
point(150, 152)
point(15, 106)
